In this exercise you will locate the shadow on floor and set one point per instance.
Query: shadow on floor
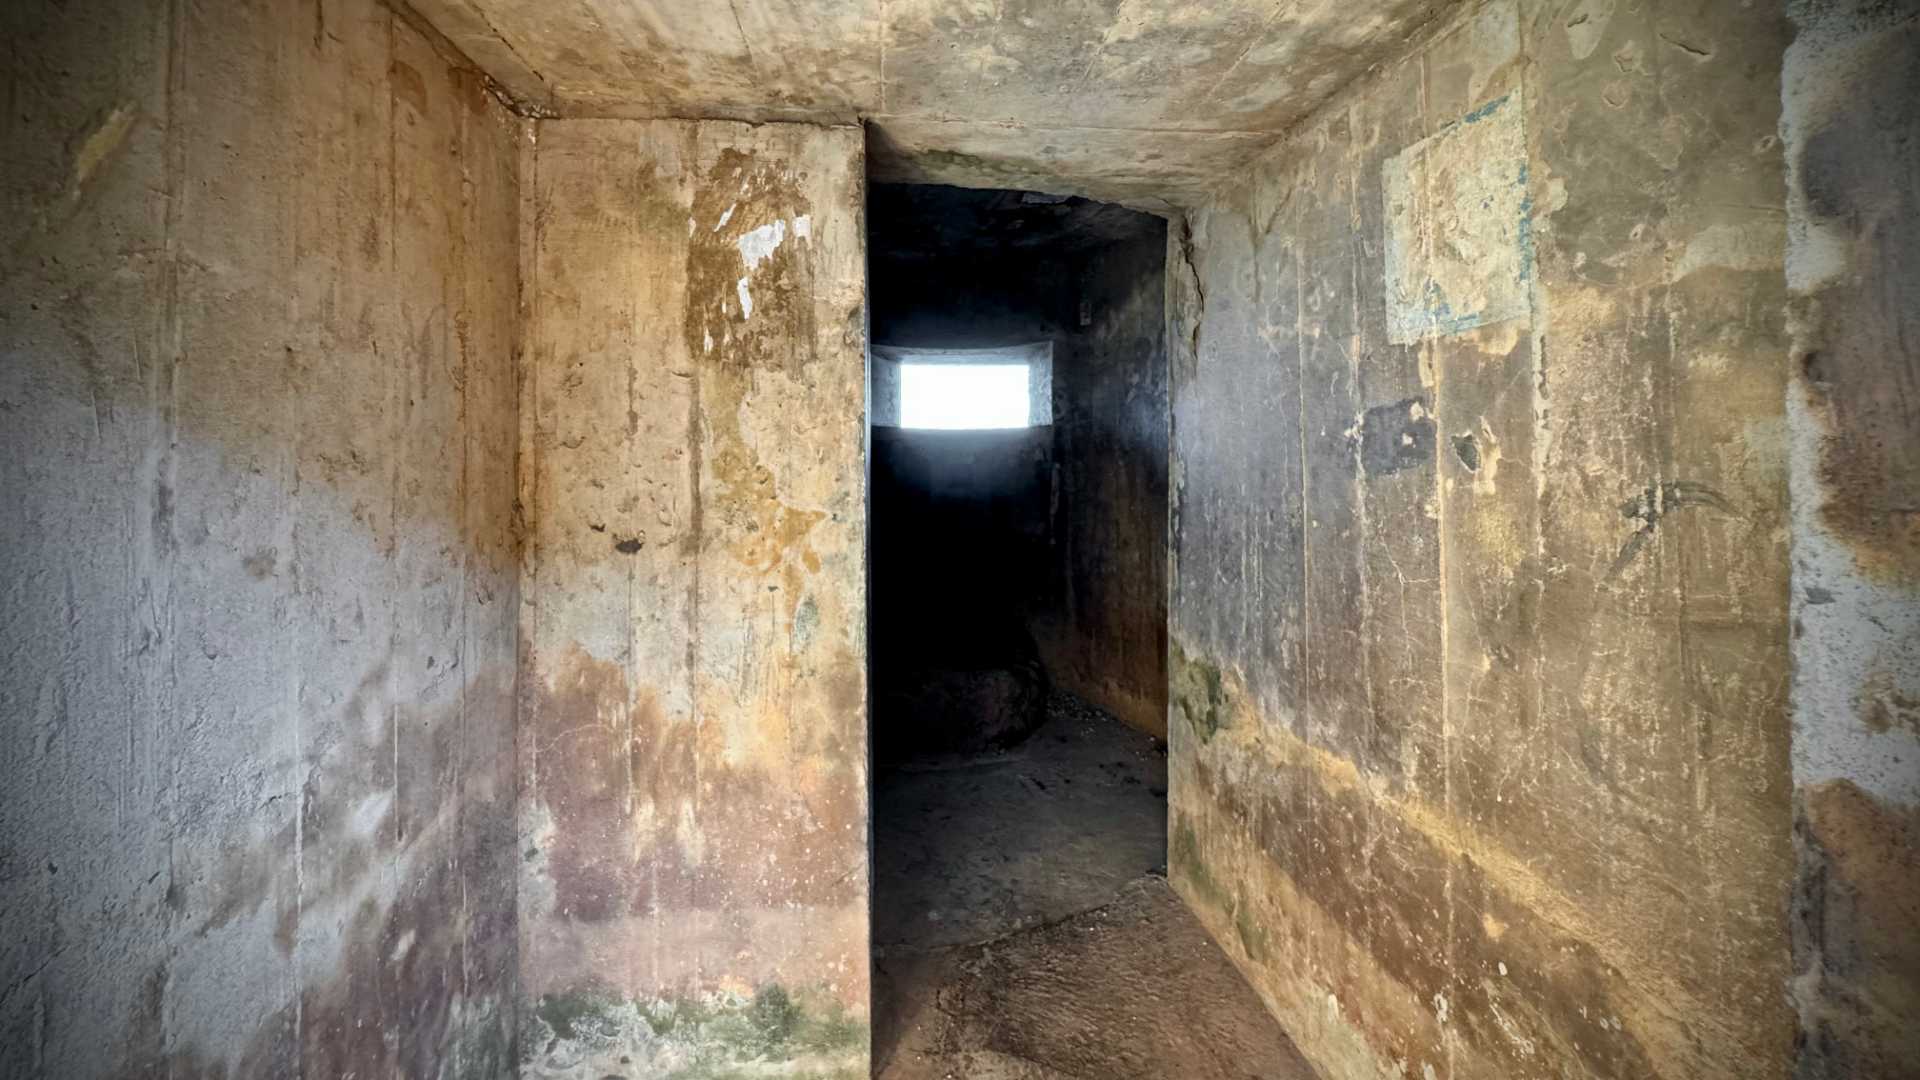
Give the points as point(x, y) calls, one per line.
point(1023, 928)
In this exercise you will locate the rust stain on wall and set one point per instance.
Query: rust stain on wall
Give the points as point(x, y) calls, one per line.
point(749, 309)
point(1860, 931)
point(643, 819)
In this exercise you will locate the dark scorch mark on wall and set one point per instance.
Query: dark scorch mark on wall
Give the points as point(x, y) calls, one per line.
point(1396, 437)
point(1468, 451)
point(1655, 502)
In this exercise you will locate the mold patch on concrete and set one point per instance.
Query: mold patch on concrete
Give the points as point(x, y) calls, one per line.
point(593, 1032)
point(1198, 694)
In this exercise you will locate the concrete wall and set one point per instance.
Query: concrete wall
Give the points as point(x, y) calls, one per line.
point(1853, 264)
point(693, 885)
point(1480, 740)
point(257, 440)
point(1104, 635)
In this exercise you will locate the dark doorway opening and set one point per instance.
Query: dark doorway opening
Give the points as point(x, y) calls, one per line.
point(1022, 923)
point(1018, 525)
point(1016, 544)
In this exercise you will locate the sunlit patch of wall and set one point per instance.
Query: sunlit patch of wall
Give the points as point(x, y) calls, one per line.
point(257, 438)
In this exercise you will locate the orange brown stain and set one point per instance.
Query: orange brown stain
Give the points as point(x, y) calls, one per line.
point(763, 531)
point(649, 815)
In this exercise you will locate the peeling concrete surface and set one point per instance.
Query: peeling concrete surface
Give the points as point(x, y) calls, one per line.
point(1480, 622)
point(257, 441)
point(1142, 101)
point(1468, 183)
point(693, 713)
point(1853, 152)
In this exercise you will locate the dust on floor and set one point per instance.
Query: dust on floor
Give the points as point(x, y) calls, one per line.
point(1024, 929)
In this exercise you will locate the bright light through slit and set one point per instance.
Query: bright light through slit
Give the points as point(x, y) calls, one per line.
point(964, 396)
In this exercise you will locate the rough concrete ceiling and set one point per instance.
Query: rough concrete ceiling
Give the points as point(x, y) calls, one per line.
point(935, 221)
point(1132, 100)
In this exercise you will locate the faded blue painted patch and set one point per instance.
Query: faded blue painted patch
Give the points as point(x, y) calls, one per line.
point(1486, 110)
point(1525, 225)
point(1438, 316)
point(1459, 222)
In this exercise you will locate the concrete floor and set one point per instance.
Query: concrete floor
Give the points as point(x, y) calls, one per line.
point(1024, 930)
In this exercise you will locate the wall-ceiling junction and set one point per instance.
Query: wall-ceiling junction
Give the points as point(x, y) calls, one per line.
point(1143, 101)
